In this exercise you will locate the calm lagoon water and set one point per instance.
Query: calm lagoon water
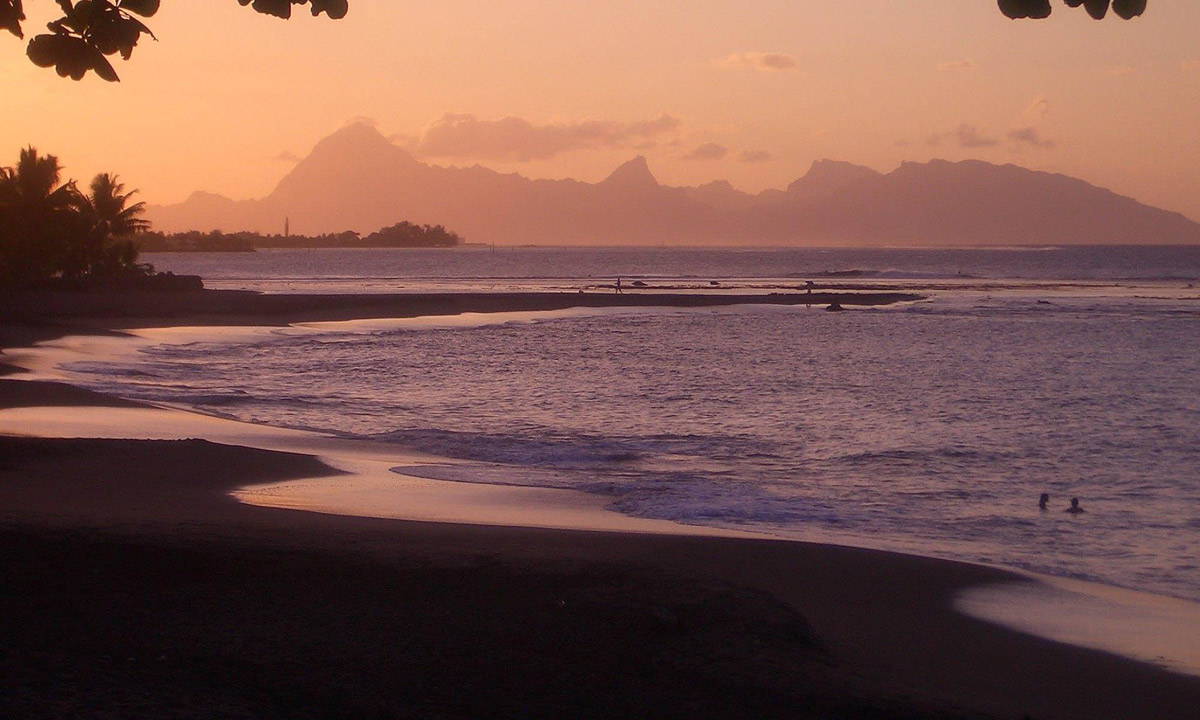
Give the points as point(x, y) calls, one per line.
point(929, 427)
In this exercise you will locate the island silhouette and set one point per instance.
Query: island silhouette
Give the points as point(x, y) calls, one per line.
point(355, 179)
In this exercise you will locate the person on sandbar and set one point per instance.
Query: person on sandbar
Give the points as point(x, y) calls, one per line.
point(1045, 498)
point(619, 290)
point(1074, 509)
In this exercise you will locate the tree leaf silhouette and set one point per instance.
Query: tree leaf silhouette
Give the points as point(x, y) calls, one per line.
point(1127, 9)
point(90, 29)
point(11, 15)
point(145, 8)
point(1038, 9)
point(108, 26)
point(1017, 9)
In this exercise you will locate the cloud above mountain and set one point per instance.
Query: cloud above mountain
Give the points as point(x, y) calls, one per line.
point(965, 136)
point(707, 151)
point(964, 65)
point(761, 61)
point(1034, 113)
point(368, 120)
point(754, 156)
point(463, 135)
point(1031, 137)
point(1026, 127)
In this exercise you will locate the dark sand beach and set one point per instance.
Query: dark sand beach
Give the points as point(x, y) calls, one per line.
point(133, 585)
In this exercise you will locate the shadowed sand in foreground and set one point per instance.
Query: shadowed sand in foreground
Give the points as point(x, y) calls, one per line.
point(134, 585)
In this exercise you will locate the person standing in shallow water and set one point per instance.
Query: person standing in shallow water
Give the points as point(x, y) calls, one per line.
point(1045, 498)
point(1074, 509)
point(619, 290)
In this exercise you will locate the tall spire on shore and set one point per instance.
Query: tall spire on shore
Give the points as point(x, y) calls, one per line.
point(286, 229)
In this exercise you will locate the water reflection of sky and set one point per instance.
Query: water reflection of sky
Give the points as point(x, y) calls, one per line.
point(926, 428)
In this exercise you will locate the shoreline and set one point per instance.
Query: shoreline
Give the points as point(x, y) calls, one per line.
point(240, 307)
point(865, 630)
point(885, 619)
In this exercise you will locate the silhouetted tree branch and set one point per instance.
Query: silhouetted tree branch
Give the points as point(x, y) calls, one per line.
point(1096, 8)
point(91, 30)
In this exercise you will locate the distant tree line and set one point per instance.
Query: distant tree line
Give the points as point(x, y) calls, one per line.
point(194, 241)
point(400, 235)
point(54, 235)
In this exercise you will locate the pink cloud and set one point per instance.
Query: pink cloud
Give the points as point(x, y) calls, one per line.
point(707, 151)
point(1030, 136)
point(761, 61)
point(967, 136)
point(514, 138)
point(958, 65)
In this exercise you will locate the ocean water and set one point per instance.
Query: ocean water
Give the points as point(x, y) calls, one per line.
point(547, 268)
point(929, 427)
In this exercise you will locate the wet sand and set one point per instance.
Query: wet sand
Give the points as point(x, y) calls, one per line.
point(134, 585)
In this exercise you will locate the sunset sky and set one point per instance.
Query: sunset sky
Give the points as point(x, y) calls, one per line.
point(227, 100)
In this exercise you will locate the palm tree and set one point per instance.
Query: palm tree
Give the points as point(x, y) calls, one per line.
point(109, 222)
point(35, 218)
point(48, 228)
point(110, 206)
point(33, 182)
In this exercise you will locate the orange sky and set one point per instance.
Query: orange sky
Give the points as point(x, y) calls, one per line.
point(706, 89)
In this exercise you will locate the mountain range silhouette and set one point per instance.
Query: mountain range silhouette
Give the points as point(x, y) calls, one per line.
point(356, 179)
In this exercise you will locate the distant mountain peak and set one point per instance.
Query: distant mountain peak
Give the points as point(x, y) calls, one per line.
point(633, 175)
point(826, 168)
point(826, 177)
point(354, 134)
point(357, 140)
point(357, 156)
point(209, 201)
point(357, 179)
point(206, 196)
point(827, 165)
